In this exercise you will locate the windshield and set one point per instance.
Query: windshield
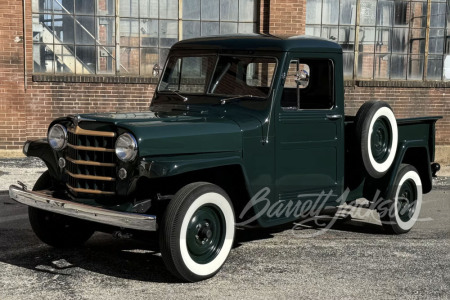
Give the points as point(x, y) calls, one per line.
point(223, 75)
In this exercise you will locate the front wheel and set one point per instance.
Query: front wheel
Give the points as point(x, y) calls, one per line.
point(54, 229)
point(197, 231)
point(401, 210)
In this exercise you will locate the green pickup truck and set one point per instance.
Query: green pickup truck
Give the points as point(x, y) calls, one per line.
point(241, 131)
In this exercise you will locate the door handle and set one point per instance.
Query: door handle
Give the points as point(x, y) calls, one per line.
point(334, 117)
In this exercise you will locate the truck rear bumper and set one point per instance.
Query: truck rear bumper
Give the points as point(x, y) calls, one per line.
point(81, 211)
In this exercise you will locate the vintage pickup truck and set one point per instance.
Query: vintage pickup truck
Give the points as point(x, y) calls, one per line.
point(238, 127)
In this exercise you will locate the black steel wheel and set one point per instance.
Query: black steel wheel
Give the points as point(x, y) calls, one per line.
point(197, 231)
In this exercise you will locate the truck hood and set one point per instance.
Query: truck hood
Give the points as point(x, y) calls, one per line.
point(175, 134)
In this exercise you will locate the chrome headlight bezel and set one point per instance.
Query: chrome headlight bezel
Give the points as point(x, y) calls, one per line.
point(59, 143)
point(126, 147)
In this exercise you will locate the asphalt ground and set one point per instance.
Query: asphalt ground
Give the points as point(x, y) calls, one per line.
point(353, 259)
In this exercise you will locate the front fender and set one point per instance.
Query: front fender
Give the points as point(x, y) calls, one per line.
point(41, 149)
point(153, 167)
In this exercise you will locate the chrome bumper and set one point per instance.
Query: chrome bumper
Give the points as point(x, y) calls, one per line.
point(82, 211)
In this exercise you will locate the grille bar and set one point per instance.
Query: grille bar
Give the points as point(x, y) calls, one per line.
point(80, 131)
point(90, 177)
point(89, 191)
point(86, 148)
point(90, 163)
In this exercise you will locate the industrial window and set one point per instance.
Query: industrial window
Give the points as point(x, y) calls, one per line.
point(394, 41)
point(89, 37)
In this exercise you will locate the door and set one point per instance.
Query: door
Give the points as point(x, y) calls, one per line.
point(309, 135)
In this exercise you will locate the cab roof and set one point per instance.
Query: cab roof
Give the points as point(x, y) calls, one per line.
point(260, 42)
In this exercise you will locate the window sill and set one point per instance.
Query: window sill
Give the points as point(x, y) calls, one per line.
point(94, 79)
point(397, 83)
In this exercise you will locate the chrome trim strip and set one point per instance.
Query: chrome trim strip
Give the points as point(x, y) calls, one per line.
point(90, 163)
point(87, 148)
point(82, 211)
point(89, 191)
point(90, 177)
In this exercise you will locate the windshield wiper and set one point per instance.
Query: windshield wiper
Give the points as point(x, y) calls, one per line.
point(239, 98)
point(184, 98)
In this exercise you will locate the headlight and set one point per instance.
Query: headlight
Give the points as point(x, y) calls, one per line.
point(57, 137)
point(126, 147)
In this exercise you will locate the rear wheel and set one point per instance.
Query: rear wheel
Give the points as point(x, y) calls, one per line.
point(401, 210)
point(54, 229)
point(197, 231)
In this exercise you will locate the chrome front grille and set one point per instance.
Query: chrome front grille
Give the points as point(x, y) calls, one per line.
point(91, 162)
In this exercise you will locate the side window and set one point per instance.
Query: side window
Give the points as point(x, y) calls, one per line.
point(309, 84)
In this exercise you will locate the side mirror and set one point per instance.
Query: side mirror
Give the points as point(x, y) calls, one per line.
point(156, 70)
point(302, 78)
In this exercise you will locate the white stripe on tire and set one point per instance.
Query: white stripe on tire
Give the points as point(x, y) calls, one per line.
point(409, 224)
point(213, 266)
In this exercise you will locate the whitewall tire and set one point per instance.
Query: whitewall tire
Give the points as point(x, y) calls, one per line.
point(197, 231)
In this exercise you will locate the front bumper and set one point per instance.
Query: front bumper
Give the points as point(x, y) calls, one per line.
point(81, 211)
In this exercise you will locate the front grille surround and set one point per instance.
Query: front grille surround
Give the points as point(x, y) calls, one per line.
point(91, 162)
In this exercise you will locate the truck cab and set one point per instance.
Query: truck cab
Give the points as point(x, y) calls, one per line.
point(241, 131)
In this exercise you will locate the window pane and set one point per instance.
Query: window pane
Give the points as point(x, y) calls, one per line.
point(106, 63)
point(106, 7)
point(330, 32)
point(63, 29)
point(168, 9)
point(191, 29)
point(329, 9)
point(348, 12)
point(417, 41)
point(247, 28)
point(163, 53)
point(42, 6)
point(66, 61)
point(148, 9)
point(63, 6)
point(383, 40)
point(400, 40)
point(368, 12)
point(348, 59)
point(149, 32)
point(228, 28)
point(191, 9)
point(84, 7)
point(365, 66)
point(415, 67)
point(382, 66)
point(129, 8)
point(129, 32)
point(42, 58)
point(105, 30)
point(385, 11)
point(85, 30)
point(434, 69)
point(168, 33)
point(313, 30)
point(149, 57)
point(436, 41)
point(129, 60)
point(210, 10)
point(86, 60)
point(313, 11)
point(247, 10)
point(437, 18)
point(229, 10)
point(346, 35)
point(401, 13)
point(367, 39)
point(398, 66)
point(210, 28)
